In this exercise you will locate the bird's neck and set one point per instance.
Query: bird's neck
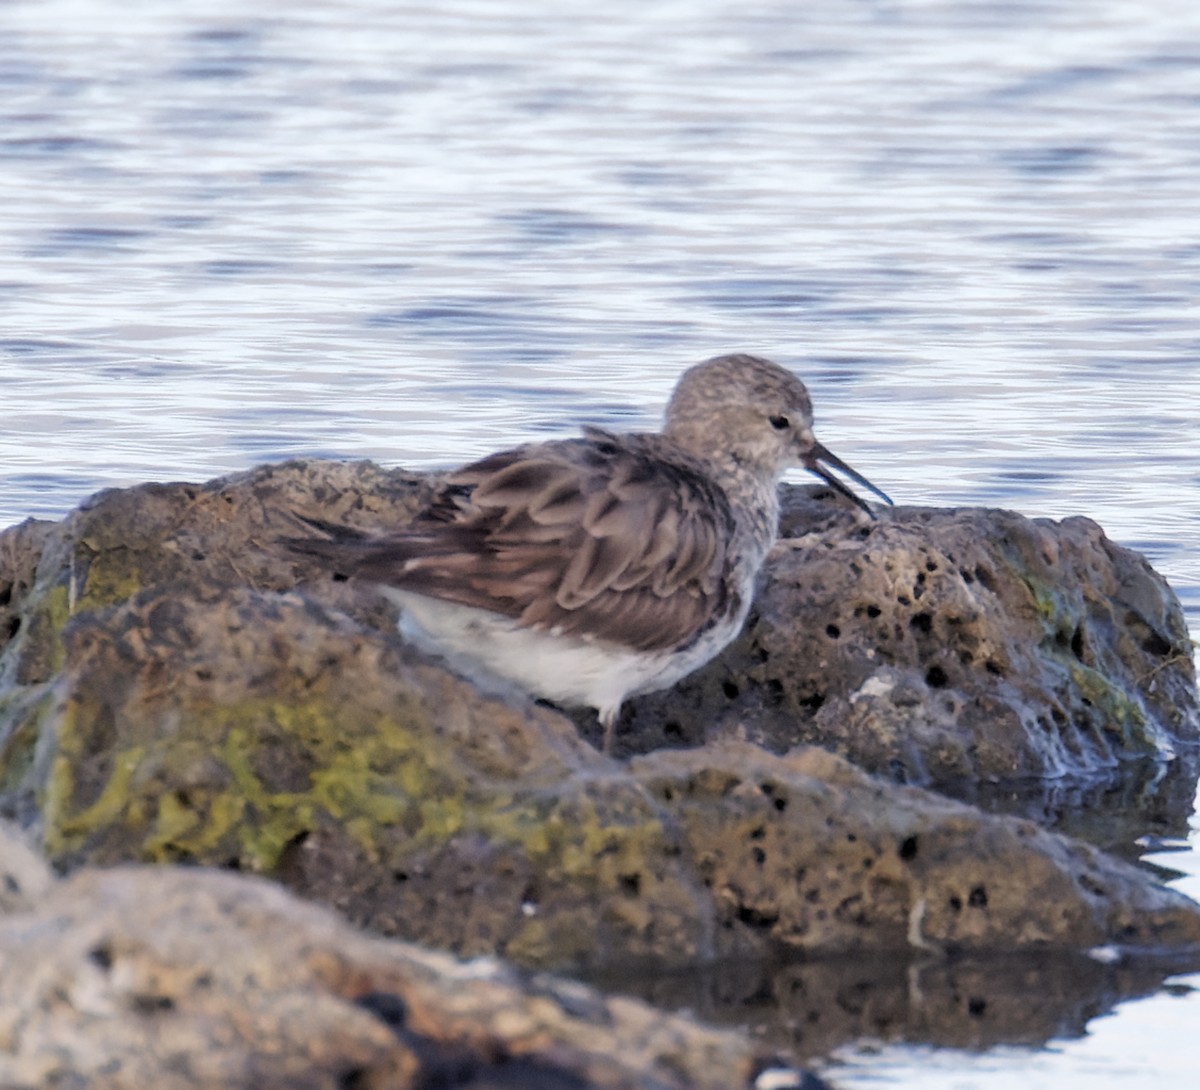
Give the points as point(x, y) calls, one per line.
point(751, 488)
point(757, 495)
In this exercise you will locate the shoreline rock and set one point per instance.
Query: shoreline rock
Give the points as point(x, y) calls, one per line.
point(172, 698)
point(175, 689)
point(176, 977)
point(927, 646)
point(937, 646)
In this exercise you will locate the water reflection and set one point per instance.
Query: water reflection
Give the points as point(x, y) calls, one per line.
point(1120, 810)
point(816, 1008)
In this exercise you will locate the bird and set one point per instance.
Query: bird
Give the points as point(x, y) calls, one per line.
point(588, 570)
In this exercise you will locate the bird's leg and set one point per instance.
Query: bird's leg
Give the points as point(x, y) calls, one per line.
point(608, 719)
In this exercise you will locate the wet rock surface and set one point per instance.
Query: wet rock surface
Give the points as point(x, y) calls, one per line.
point(263, 733)
point(934, 646)
point(176, 688)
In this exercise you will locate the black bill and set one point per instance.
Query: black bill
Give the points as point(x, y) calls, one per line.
point(821, 462)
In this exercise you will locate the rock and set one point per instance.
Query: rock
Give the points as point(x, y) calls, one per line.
point(928, 646)
point(173, 698)
point(816, 853)
point(182, 979)
point(936, 646)
point(261, 732)
point(24, 876)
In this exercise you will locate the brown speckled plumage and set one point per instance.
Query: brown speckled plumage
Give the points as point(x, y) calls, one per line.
point(629, 559)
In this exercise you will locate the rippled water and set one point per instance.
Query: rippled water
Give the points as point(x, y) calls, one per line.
point(414, 233)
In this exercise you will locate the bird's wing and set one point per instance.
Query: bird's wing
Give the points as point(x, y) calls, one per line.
point(592, 536)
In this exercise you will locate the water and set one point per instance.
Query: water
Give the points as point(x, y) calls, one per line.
point(415, 233)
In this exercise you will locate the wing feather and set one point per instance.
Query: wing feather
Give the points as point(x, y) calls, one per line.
point(604, 539)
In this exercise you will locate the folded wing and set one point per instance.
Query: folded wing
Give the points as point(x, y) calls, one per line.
point(590, 536)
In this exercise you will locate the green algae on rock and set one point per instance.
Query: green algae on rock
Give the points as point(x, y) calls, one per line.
point(172, 697)
point(260, 733)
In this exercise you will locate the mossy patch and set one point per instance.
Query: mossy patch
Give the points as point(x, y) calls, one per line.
point(41, 651)
point(112, 577)
point(204, 790)
point(22, 712)
point(237, 785)
point(63, 828)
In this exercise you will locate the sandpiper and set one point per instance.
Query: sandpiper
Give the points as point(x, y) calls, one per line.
point(590, 570)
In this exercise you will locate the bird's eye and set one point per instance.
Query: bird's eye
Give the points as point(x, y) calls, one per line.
point(780, 423)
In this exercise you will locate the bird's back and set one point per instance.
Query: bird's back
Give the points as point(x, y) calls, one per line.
point(622, 539)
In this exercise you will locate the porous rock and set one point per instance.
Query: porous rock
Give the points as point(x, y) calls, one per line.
point(182, 979)
point(172, 698)
point(941, 645)
point(261, 732)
